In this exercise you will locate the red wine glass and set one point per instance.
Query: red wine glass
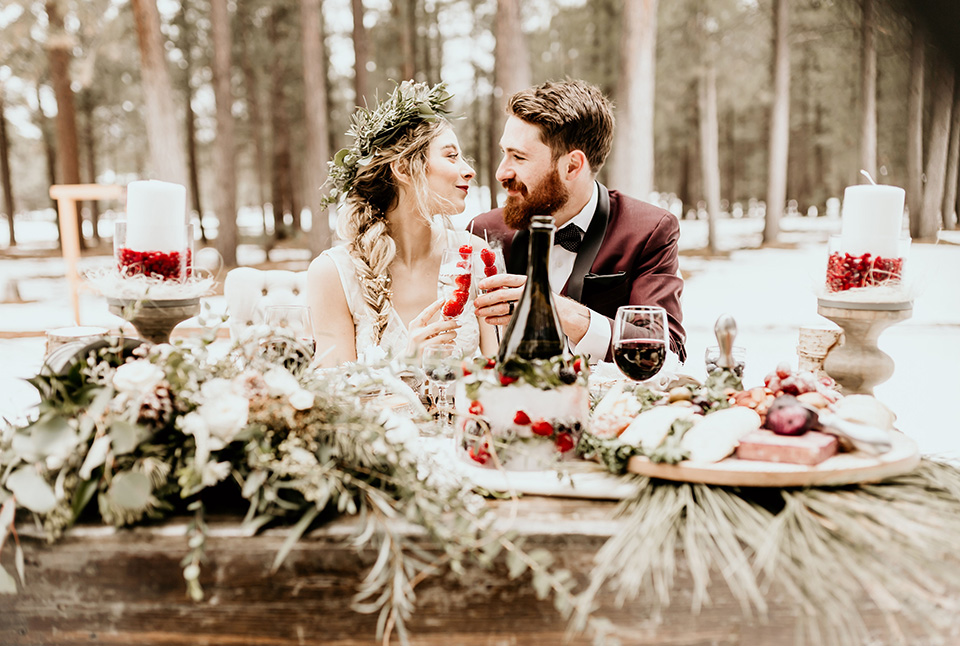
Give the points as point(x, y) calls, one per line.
point(640, 341)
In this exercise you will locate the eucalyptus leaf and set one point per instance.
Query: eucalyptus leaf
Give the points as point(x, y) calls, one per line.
point(7, 584)
point(7, 512)
point(125, 437)
point(82, 496)
point(53, 436)
point(18, 563)
point(31, 490)
point(253, 483)
point(130, 490)
point(295, 533)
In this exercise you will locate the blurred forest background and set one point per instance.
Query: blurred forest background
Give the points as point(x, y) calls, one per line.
point(725, 108)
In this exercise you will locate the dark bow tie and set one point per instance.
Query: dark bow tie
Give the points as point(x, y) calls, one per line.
point(569, 237)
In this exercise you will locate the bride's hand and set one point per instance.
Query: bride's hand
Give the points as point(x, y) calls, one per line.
point(423, 333)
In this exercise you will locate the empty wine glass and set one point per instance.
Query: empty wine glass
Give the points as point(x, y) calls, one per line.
point(291, 339)
point(453, 284)
point(441, 364)
point(640, 340)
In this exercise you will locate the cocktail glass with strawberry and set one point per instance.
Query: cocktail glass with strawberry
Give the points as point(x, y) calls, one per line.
point(456, 275)
point(491, 263)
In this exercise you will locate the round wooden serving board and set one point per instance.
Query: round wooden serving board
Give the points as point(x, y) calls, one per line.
point(841, 469)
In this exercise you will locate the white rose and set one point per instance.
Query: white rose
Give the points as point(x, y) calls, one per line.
point(280, 383)
point(301, 400)
point(224, 416)
point(216, 388)
point(137, 377)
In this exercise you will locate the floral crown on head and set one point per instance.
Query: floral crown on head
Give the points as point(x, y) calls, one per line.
point(408, 105)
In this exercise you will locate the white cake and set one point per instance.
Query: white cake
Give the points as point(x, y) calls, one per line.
point(532, 425)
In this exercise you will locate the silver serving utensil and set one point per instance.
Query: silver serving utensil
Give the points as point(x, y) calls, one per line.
point(726, 331)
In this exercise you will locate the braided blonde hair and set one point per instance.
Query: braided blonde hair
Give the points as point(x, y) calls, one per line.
point(363, 222)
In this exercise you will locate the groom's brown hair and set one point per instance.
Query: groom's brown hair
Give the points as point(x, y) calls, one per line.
point(571, 115)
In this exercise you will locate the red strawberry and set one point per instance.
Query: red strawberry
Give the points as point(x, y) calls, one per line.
point(452, 309)
point(564, 442)
point(466, 367)
point(454, 306)
point(463, 264)
point(478, 454)
point(465, 251)
point(489, 270)
point(506, 380)
point(476, 408)
point(577, 365)
point(542, 427)
point(521, 418)
point(491, 362)
point(488, 257)
point(462, 281)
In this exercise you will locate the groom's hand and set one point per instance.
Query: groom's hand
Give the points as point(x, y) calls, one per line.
point(503, 292)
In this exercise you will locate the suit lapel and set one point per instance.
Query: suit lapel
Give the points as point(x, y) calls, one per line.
point(590, 245)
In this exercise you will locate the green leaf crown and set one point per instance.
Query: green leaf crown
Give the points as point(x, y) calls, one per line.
point(407, 106)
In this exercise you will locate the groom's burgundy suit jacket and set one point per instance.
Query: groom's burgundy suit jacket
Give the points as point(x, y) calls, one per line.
point(628, 257)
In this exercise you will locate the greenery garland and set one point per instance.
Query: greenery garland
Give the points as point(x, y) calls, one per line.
point(145, 432)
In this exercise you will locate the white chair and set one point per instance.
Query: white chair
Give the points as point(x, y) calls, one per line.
point(249, 291)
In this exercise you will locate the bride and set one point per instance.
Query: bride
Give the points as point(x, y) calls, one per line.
point(380, 288)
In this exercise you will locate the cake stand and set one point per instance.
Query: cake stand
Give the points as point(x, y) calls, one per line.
point(155, 318)
point(856, 363)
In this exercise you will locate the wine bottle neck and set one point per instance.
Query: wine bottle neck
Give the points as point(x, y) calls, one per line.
point(538, 263)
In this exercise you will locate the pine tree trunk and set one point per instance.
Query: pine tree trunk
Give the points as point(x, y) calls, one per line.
point(90, 156)
point(361, 50)
point(165, 138)
point(937, 143)
point(280, 180)
point(779, 124)
point(254, 110)
point(949, 208)
point(49, 153)
point(5, 182)
point(709, 147)
point(404, 14)
point(190, 121)
point(315, 107)
point(868, 90)
point(631, 168)
point(68, 149)
point(511, 74)
point(731, 146)
point(194, 173)
point(224, 149)
point(915, 123)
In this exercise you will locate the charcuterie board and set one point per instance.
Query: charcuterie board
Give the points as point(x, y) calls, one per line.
point(841, 469)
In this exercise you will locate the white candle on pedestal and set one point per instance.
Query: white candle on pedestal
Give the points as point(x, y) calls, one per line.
point(156, 216)
point(871, 221)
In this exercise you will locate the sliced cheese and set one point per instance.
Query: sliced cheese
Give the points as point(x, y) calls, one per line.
point(716, 435)
point(649, 428)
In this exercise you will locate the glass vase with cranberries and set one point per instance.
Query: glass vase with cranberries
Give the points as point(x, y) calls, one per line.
point(640, 340)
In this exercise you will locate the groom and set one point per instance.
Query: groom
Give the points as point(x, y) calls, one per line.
point(611, 250)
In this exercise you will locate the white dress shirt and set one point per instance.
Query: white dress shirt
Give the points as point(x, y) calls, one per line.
point(597, 339)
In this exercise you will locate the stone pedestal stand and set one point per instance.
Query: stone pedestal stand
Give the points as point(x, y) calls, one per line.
point(856, 363)
point(155, 319)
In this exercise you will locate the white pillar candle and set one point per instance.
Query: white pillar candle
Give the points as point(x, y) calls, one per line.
point(871, 221)
point(156, 216)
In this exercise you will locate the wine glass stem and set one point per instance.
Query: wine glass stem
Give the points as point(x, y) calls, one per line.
point(442, 408)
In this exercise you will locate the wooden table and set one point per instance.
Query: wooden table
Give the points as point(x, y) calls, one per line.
point(101, 586)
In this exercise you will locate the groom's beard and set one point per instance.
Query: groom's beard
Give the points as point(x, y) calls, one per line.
point(546, 198)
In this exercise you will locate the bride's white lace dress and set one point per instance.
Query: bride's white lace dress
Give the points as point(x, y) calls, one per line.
point(395, 335)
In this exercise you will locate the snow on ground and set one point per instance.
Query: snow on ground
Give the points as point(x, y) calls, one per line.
point(770, 292)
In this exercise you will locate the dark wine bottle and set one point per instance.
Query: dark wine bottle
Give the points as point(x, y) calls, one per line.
point(534, 329)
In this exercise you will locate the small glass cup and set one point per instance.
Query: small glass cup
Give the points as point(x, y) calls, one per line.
point(852, 270)
point(641, 338)
point(441, 364)
point(711, 356)
point(170, 264)
point(291, 339)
